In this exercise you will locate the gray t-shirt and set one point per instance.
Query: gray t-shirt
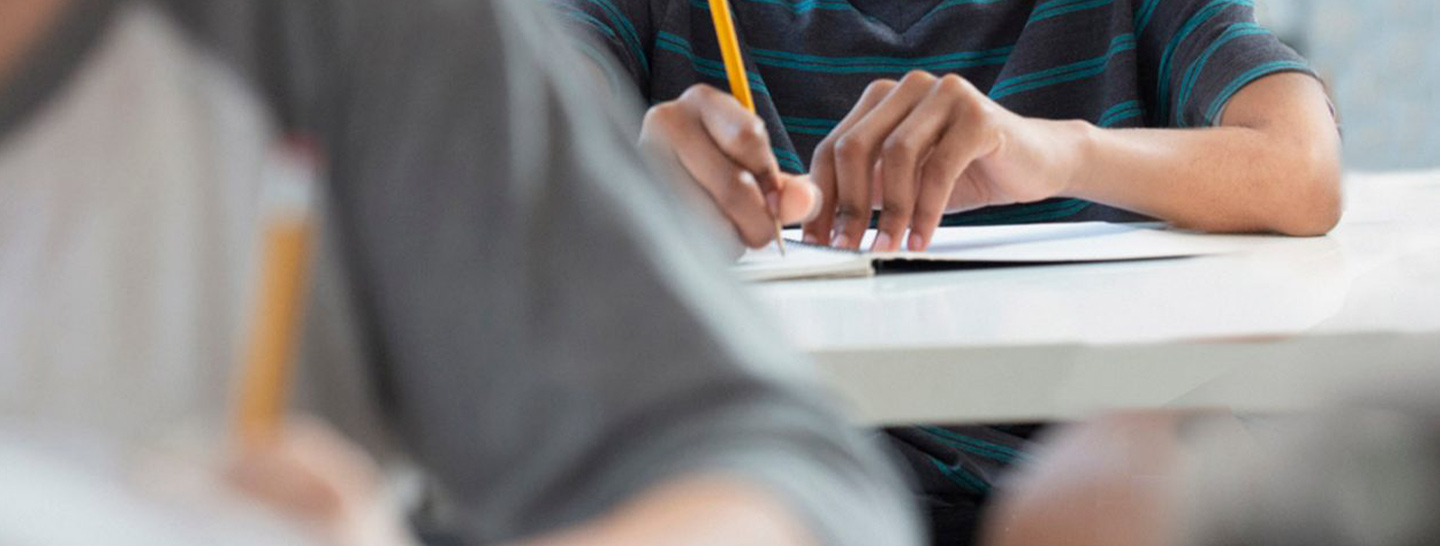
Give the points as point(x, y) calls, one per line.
point(503, 290)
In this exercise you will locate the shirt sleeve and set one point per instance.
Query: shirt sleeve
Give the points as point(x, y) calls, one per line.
point(1195, 55)
point(550, 329)
point(616, 34)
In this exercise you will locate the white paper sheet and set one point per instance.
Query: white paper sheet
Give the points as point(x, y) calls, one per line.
point(1025, 244)
point(801, 262)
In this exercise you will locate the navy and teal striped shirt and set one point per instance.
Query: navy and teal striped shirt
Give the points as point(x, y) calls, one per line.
point(1114, 63)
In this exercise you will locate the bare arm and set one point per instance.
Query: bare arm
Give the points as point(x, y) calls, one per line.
point(926, 145)
point(1272, 166)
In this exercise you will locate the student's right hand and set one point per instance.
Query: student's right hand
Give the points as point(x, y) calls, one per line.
point(725, 150)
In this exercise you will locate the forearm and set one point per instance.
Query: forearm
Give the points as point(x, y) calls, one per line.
point(1226, 179)
point(696, 512)
point(1272, 166)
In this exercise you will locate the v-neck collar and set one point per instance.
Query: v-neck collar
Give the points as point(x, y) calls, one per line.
point(899, 15)
point(51, 61)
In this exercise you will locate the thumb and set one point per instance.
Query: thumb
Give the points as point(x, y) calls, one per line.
point(799, 199)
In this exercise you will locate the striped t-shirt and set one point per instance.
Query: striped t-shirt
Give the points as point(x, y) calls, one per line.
point(1114, 63)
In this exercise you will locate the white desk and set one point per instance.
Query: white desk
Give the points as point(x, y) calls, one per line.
point(1275, 329)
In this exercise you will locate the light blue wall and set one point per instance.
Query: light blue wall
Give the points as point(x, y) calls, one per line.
point(1381, 59)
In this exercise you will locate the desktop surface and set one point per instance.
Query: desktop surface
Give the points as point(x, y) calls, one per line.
point(983, 345)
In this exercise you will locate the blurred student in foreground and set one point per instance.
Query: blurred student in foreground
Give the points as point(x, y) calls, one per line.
point(503, 296)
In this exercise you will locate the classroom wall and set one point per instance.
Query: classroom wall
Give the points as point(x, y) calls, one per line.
point(1381, 59)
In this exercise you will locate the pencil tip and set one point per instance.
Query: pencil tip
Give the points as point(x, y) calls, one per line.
point(780, 239)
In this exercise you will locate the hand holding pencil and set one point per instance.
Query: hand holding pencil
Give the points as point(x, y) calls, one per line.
point(717, 139)
point(740, 88)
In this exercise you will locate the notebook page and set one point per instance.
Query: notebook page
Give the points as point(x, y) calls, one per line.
point(801, 261)
point(1077, 242)
point(1088, 242)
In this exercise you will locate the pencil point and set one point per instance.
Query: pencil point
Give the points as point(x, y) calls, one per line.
point(780, 238)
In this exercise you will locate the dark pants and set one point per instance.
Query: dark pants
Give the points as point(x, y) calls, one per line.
point(956, 470)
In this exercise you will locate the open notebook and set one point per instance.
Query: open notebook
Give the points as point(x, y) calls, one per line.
point(994, 246)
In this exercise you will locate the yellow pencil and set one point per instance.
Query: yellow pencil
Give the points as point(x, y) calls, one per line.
point(265, 383)
point(735, 72)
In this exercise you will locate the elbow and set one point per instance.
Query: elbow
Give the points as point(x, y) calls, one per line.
point(1317, 208)
point(1313, 196)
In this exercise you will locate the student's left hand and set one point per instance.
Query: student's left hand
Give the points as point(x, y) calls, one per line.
point(927, 145)
point(315, 477)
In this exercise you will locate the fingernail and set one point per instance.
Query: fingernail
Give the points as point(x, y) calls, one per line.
point(882, 242)
point(916, 242)
point(811, 239)
point(772, 200)
point(841, 241)
point(748, 179)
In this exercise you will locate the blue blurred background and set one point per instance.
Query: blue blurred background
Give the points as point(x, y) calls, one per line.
point(1381, 59)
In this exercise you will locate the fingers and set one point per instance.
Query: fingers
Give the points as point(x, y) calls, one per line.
point(971, 133)
point(823, 171)
point(901, 148)
point(900, 157)
point(739, 133)
point(285, 485)
point(799, 201)
point(905, 147)
point(310, 472)
point(735, 191)
point(725, 150)
point(934, 193)
point(857, 150)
